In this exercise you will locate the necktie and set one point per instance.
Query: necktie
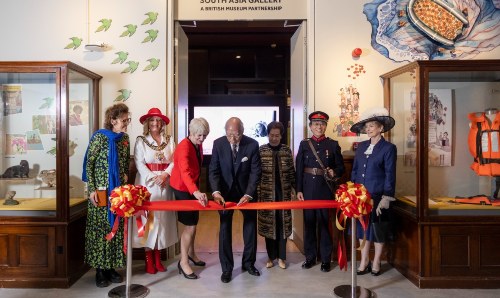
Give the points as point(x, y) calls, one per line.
point(234, 151)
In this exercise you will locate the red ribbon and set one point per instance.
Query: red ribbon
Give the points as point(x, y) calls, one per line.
point(140, 226)
point(130, 200)
point(193, 205)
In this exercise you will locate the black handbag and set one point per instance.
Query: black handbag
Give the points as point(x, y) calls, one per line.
point(381, 230)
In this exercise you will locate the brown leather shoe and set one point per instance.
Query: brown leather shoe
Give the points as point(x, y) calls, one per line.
point(269, 263)
point(281, 264)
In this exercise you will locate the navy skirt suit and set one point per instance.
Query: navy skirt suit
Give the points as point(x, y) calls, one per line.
point(377, 172)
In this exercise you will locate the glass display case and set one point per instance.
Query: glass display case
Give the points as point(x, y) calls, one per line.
point(48, 111)
point(447, 119)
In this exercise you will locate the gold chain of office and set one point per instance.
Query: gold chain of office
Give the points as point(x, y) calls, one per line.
point(154, 147)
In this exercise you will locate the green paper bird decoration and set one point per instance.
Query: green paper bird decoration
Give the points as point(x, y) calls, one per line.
point(152, 35)
point(74, 44)
point(71, 148)
point(153, 64)
point(152, 16)
point(48, 101)
point(52, 151)
point(125, 94)
point(122, 56)
point(131, 28)
point(105, 24)
point(132, 66)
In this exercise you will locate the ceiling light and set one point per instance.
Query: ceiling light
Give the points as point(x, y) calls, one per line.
point(97, 47)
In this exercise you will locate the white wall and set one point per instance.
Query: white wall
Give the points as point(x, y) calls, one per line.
point(43, 32)
point(341, 26)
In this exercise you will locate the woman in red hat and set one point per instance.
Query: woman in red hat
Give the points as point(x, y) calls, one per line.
point(154, 161)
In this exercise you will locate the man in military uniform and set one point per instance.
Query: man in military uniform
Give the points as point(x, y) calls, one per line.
point(312, 185)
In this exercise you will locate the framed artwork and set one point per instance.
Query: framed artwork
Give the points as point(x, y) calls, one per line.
point(34, 140)
point(410, 128)
point(440, 128)
point(16, 144)
point(12, 98)
point(45, 124)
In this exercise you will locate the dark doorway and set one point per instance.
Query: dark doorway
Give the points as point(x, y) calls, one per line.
point(239, 63)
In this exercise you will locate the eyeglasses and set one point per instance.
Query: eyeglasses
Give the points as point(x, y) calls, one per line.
point(125, 120)
point(233, 135)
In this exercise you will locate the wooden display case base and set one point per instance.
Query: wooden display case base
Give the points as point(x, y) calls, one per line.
point(42, 254)
point(461, 254)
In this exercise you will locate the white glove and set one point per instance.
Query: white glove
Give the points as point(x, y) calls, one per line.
point(384, 204)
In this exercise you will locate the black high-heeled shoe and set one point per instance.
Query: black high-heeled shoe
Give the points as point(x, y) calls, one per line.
point(199, 263)
point(367, 269)
point(188, 276)
point(377, 273)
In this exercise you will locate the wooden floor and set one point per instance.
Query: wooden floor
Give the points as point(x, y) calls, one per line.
point(207, 235)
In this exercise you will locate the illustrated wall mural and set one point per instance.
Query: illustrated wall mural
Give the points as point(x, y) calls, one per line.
point(408, 30)
point(348, 102)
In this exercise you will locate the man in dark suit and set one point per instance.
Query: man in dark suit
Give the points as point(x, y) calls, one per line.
point(234, 173)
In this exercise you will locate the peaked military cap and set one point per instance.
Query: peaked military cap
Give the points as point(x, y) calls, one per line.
point(319, 116)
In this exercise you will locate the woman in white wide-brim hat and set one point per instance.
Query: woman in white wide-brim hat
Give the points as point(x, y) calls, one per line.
point(375, 167)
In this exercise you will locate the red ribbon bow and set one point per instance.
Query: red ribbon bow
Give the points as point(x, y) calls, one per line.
point(356, 203)
point(123, 202)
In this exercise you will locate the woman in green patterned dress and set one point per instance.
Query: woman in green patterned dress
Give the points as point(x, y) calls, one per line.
point(106, 166)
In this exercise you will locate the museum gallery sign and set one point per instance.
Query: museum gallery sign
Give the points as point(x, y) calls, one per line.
point(241, 9)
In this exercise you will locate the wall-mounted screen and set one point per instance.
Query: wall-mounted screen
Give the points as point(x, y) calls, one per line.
point(255, 121)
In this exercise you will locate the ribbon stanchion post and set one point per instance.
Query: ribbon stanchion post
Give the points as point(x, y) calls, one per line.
point(355, 203)
point(129, 290)
point(124, 202)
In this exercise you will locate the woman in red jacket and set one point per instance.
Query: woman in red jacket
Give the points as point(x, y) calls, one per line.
point(185, 181)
